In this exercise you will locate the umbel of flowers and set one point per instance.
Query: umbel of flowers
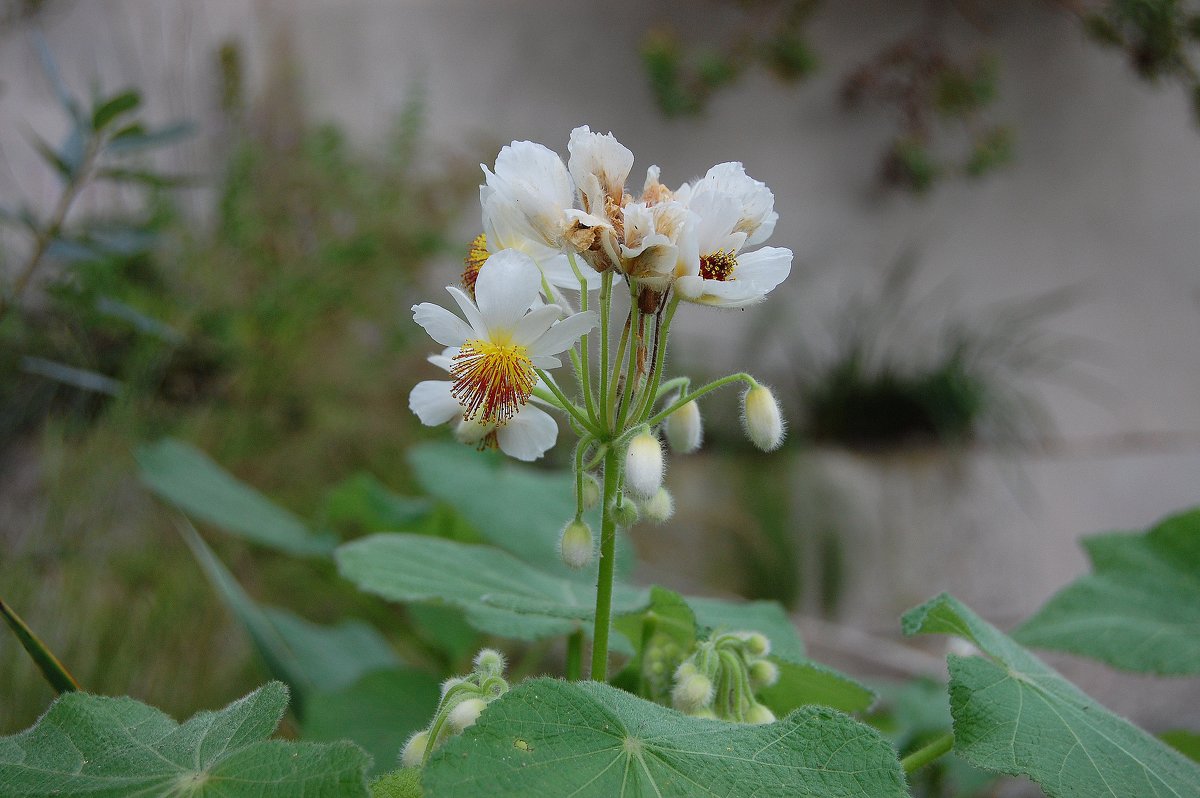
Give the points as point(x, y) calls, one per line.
point(631, 255)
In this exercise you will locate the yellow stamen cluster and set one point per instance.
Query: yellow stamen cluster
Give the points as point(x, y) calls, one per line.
point(492, 380)
point(477, 255)
point(718, 266)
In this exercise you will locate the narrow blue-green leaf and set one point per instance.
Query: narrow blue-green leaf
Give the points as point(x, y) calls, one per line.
point(308, 657)
point(135, 138)
point(114, 106)
point(186, 477)
point(95, 747)
point(83, 379)
point(1014, 714)
point(52, 669)
point(499, 593)
point(378, 712)
point(589, 740)
point(1139, 609)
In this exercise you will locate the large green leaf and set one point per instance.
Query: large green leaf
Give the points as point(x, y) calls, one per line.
point(362, 504)
point(520, 509)
point(378, 712)
point(1014, 714)
point(98, 747)
point(1139, 609)
point(308, 657)
point(499, 593)
point(186, 477)
point(586, 739)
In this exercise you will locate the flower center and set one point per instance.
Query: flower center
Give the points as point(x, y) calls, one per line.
point(718, 266)
point(492, 381)
point(477, 255)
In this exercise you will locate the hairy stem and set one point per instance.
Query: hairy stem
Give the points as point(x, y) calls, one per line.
point(604, 581)
point(929, 753)
point(575, 656)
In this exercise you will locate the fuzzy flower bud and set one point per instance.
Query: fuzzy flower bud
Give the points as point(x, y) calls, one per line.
point(625, 512)
point(575, 545)
point(489, 662)
point(685, 431)
point(758, 714)
point(693, 692)
point(757, 644)
point(659, 507)
point(763, 673)
point(464, 715)
point(644, 465)
point(762, 419)
point(591, 492)
point(414, 749)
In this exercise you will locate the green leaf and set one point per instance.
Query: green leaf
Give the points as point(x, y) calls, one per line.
point(113, 107)
point(100, 747)
point(586, 739)
point(54, 671)
point(806, 682)
point(499, 593)
point(1139, 609)
point(404, 783)
point(134, 137)
point(186, 477)
point(53, 158)
point(517, 508)
point(1184, 741)
point(145, 177)
point(754, 616)
point(1014, 714)
point(308, 657)
point(363, 504)
point(378, 712)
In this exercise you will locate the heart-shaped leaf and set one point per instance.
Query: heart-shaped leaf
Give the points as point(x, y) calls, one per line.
point(99, 747)
point(1016, 715)
point(1139, 609)
point(590, 740)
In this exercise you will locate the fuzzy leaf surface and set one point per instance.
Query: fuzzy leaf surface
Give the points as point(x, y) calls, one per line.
point(1139, 609)
point(590, 740)
point(499, 593)
point(1016, 715)
point(97, 747)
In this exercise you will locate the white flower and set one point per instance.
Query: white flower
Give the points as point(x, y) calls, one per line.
point(757, 217)
point(529, 434)
point(504, 228)
point(599, 165)
point(650, 251)
point(714, 270)
point(532, 190)
point(504, 340)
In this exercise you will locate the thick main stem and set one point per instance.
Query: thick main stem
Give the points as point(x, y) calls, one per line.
point(575, 656)
point(604, 581)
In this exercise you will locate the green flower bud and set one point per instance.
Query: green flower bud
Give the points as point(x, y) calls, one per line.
point(414, 749)
point(758, 714)
point(591, 491)
point(625, 512)
point(489, 662)
point(659, 507)
point(576, 545)
point(763, 673)
point(692, 693)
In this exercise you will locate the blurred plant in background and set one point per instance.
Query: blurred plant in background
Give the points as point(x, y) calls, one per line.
point(258, 332)
point(939, 93)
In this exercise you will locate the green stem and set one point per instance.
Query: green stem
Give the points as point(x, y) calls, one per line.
point(567, 405)
point(616, 367)
point(575, 656)
point(928, 753)
point(636, 342)
point(660, 354)
point(703, 389)
point(585, 369)
point(681, 383)
point(604, 581)
point(606, 282)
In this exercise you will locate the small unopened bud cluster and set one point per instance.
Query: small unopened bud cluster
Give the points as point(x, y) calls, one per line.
point(463, 700)
point(721, 676)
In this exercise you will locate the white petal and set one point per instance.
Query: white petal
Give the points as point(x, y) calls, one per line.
point(508, 284)
point(765, 268)
point(599, 155)
point(442, 325)
point(545, 361)
point(559, 273)
point(445, 360)
point(470, 311)
point(432, 402)
point(563, 335)
point(758, 217)
point(528, 435)
point(533, 325)
point(719, 216)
